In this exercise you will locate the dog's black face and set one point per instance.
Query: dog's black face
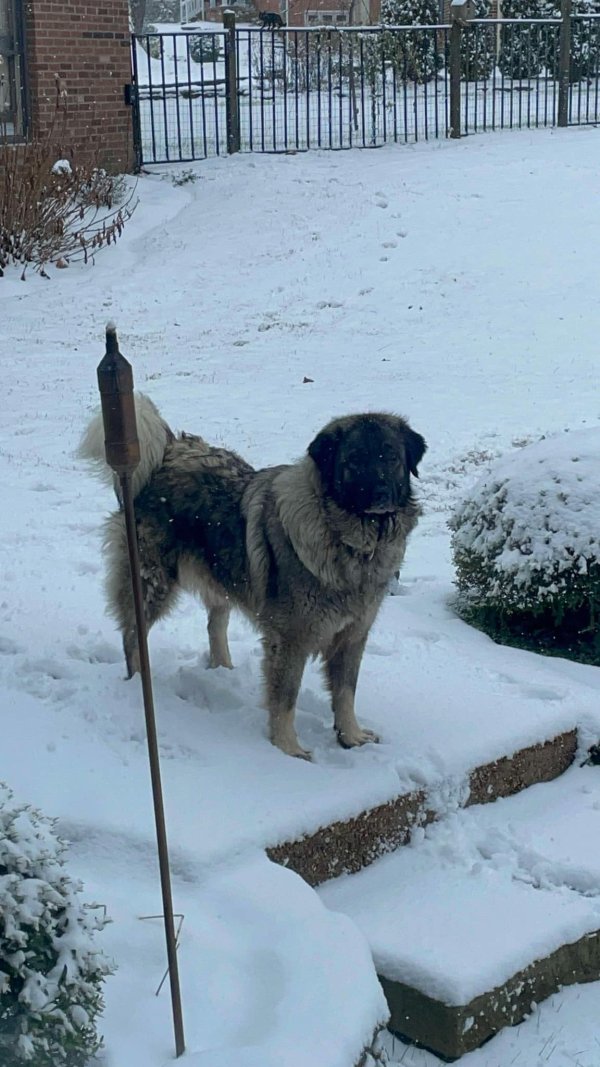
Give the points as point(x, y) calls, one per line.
point(365, 462)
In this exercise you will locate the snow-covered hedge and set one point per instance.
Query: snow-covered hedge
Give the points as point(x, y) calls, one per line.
point(524, 46)
point(51, 971)
point(526, 545)
point(415, 56)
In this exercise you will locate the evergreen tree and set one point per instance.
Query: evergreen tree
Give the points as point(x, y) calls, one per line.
point(585, 41)
point(414, 54)
point(162, 10)
point(523, 49)
point(478, 47)
point(137, 15)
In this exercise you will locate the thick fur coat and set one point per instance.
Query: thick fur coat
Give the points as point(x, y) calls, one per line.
point(305, 550)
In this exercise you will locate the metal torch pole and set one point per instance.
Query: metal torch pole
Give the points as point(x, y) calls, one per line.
point(115, 381)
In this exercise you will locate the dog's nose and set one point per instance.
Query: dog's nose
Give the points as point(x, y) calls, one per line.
point(381, 493)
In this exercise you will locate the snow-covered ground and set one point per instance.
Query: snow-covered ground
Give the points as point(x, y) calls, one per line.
point(452, 283)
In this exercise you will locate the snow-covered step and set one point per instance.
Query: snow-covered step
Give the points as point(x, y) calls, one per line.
point(489, 913)
point(347, 846)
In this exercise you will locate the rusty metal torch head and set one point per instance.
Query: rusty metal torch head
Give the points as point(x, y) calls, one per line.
point(115, 382)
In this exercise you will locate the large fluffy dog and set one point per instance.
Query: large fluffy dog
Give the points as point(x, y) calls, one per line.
point(306, 551)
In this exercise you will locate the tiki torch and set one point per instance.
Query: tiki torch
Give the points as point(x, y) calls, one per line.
point(115, 382)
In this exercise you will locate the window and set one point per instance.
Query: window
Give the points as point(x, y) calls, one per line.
point(12, 94)
point(326, 18)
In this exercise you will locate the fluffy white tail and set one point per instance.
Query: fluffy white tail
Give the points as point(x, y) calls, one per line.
point(153, 435)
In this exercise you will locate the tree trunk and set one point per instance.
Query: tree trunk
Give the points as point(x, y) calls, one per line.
point(137, 11)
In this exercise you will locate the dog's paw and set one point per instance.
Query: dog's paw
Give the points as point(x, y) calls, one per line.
point(213, 663)
point(292, 747)
point(356, 737)
point(302, 753)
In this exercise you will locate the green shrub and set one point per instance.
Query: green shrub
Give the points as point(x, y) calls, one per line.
point(51, 972)
point(526, 547)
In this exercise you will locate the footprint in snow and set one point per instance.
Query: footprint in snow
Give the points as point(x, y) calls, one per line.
point(531, 690)
point(86, 567)
point(214, 693)
point(8, 647)
point(47, 668)
point(100, 652)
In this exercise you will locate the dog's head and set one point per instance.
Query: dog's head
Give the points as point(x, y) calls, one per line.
point(365, 462)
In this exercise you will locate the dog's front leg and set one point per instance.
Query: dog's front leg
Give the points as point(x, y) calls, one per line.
point(342, 665)
point(283, 668)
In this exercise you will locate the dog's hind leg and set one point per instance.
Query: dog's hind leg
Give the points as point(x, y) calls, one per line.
point(196, 578)
point(159, 585)
point(218, 621)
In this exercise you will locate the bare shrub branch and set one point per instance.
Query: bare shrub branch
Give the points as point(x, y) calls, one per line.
point(53, 210)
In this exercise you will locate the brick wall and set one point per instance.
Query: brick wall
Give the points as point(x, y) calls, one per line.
point(87, 46)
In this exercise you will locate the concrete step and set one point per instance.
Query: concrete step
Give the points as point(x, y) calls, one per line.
point(347, 846)
point(487, 915)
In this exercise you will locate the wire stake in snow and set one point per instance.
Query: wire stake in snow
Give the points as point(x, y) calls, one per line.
point(115, 382)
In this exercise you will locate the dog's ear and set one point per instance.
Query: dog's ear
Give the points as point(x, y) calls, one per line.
point(323, 452)
point(415, 450)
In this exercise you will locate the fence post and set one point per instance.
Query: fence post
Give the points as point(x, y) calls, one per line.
point(455, 39)
point(132, 100)
point(564, 63)
point(231, 84)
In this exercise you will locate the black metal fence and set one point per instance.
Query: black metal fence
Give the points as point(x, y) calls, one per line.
point(198, 94)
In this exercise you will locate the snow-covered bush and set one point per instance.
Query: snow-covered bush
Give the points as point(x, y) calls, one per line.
point(51, 971)
point(523, 47)
point(526, 546)
point(414, 54)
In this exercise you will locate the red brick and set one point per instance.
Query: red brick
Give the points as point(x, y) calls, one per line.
point(74, 40)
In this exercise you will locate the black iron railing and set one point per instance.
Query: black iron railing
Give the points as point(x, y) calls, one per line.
point(198, 94)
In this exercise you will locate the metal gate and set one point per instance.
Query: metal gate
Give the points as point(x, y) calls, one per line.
point(179, 96)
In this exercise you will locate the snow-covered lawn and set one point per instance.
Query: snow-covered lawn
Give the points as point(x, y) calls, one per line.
point(454, 283)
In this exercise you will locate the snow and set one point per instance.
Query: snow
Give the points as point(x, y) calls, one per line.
point(473, 901)
point(536, 512)
point(257, 978)
point(425, 280)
